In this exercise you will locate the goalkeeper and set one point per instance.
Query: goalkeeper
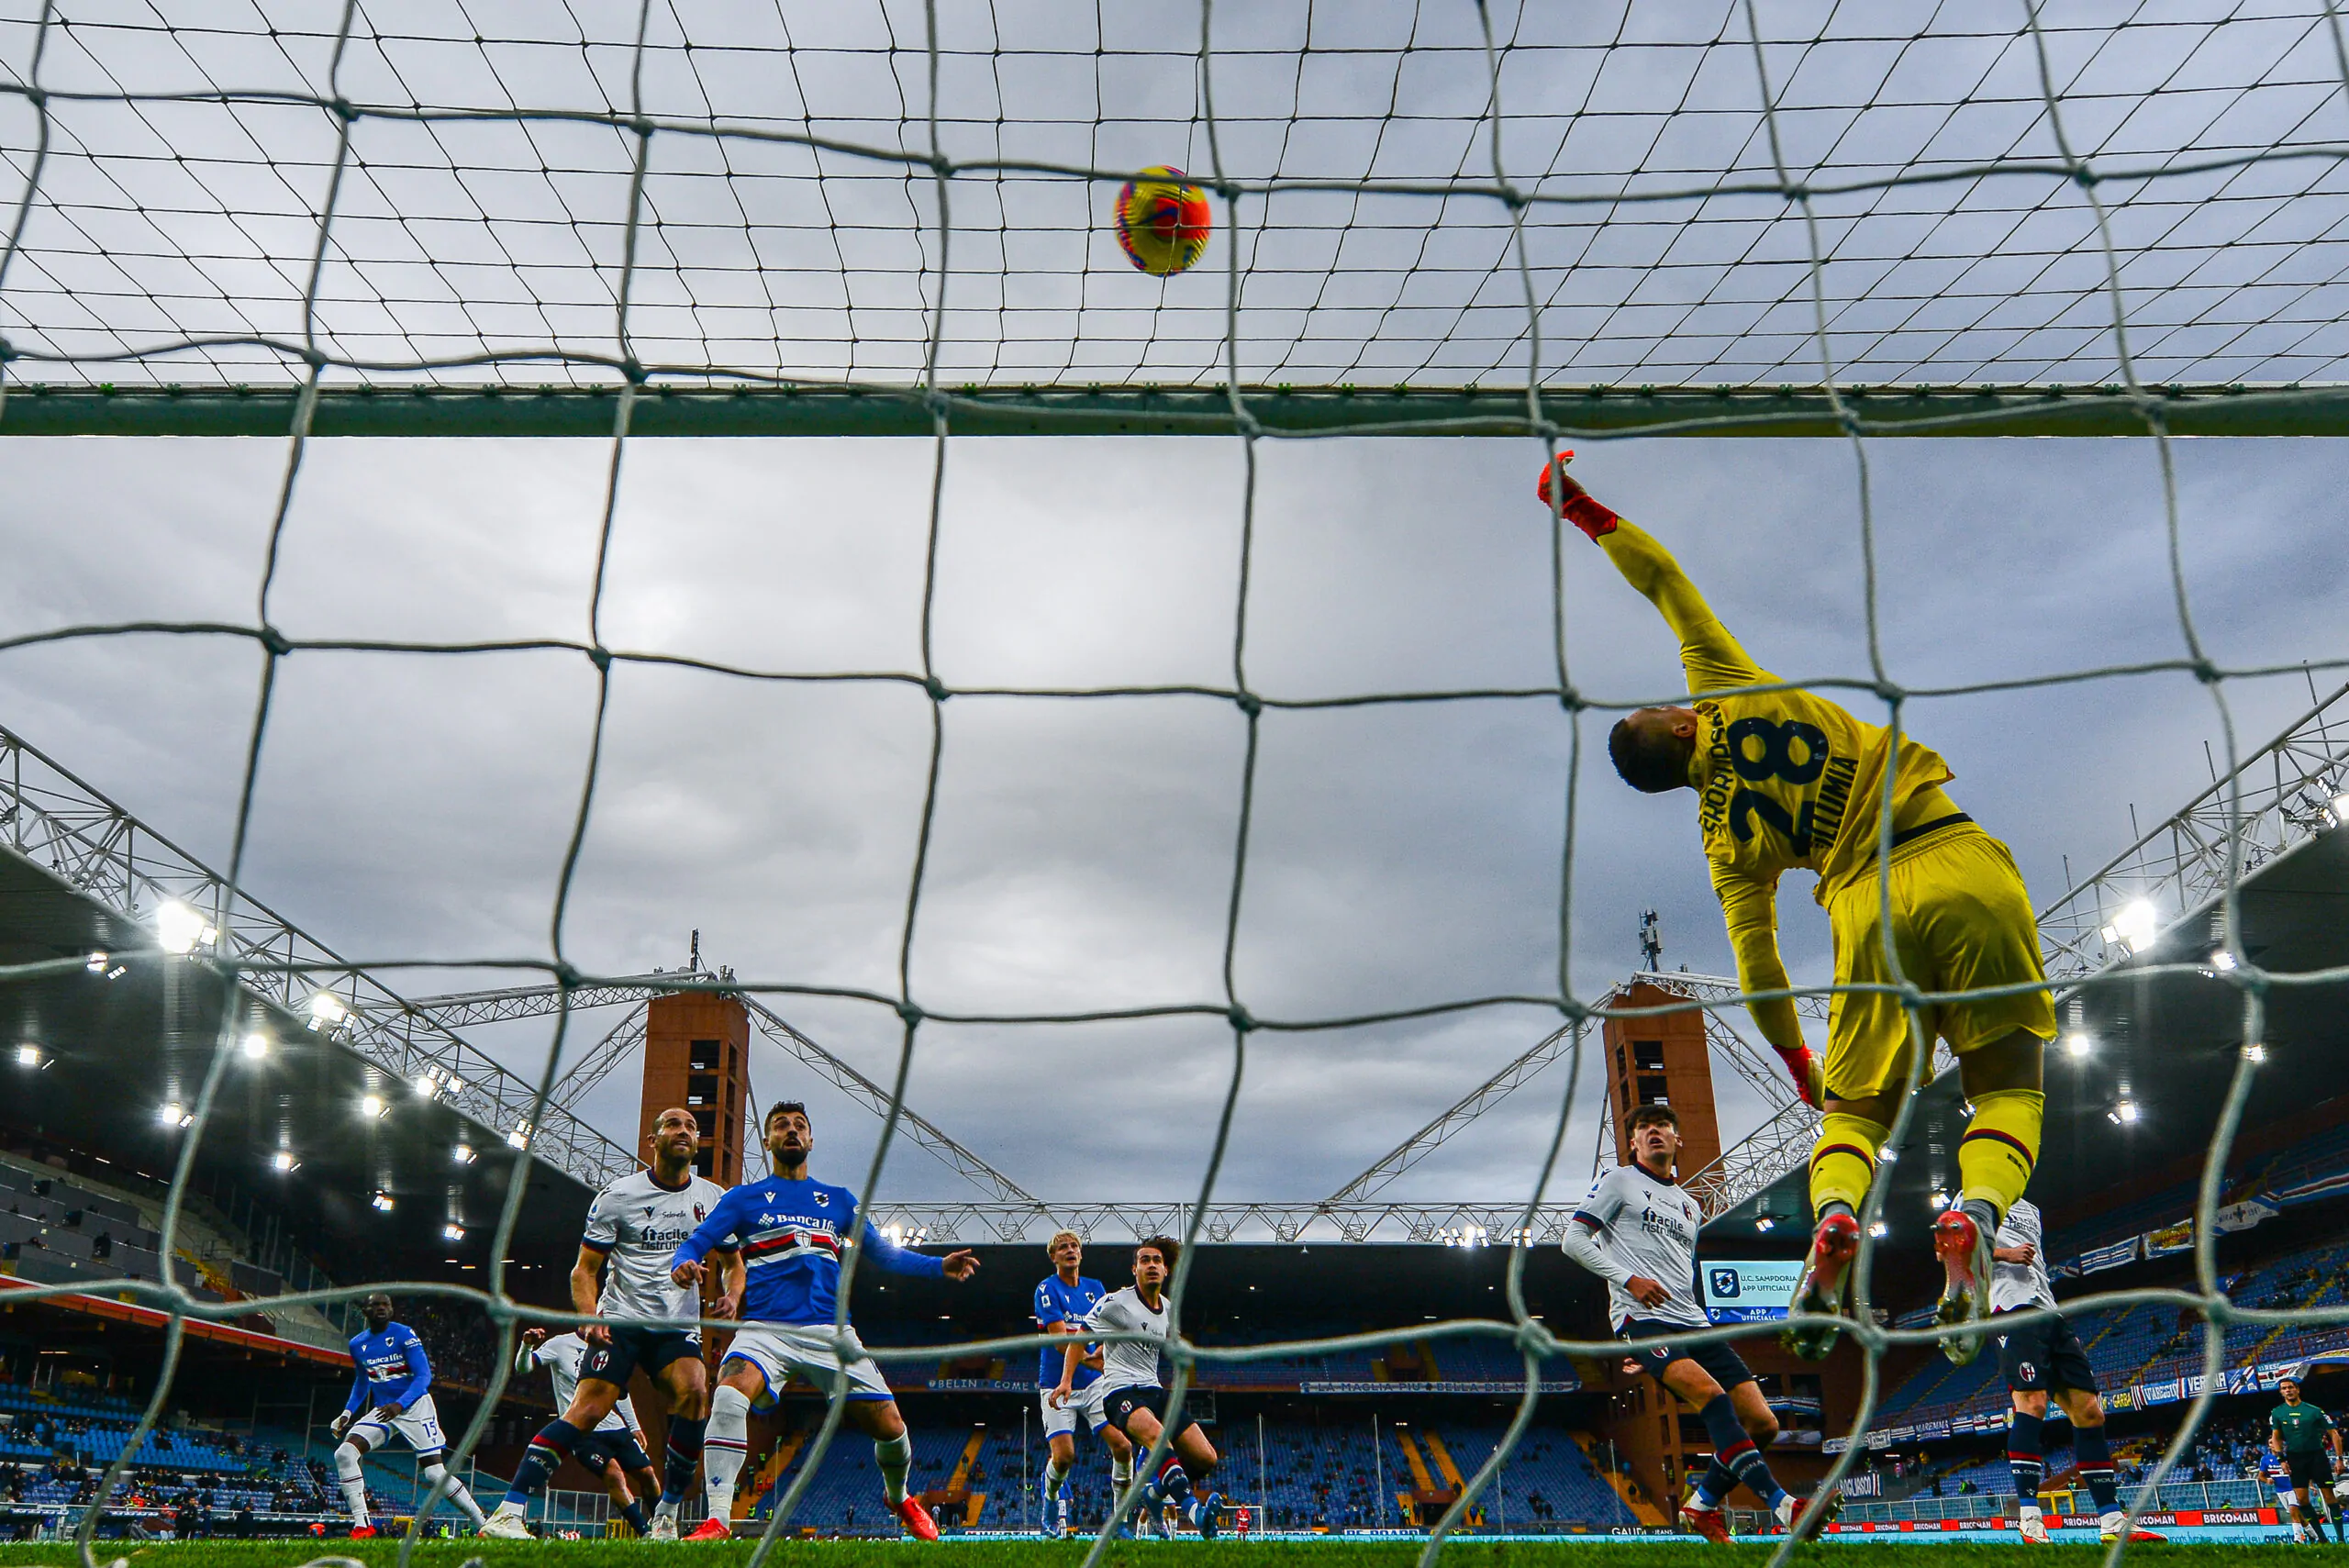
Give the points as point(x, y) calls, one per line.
point(1784, 781)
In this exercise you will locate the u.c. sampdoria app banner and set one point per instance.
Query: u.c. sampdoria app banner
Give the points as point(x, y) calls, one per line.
point(1741, 1291)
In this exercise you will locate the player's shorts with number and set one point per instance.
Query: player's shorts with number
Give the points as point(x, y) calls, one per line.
point(2036, 1357)
point(419, 1426)
point(1086, 1402)
point(1961, 918)
point(779, 1350)
point(627, 1349)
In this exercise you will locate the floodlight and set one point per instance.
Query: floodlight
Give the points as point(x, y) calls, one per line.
point(520, 1137)
point(180, 928)
point(2077, 1044)
point(97, 963)
point(174, 1114)
point(2122, 1114)
point(381, 1203)
point(2254, 1051)
point(256, 1046)
point(283, 1161)
point(1765, 1223)
point(2135, 927)
point(2222, 960)
point(1879, 1229)
point(427, 1084)
point(452, 1231)
point(326, 1010)
point(462, 1154)
point(28, 1055)
point(370, 1105)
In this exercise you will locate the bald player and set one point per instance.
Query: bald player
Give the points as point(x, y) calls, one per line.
point(1788, 780)
point(635, 1317)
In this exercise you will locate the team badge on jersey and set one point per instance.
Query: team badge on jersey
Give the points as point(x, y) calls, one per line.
point(823, 1199)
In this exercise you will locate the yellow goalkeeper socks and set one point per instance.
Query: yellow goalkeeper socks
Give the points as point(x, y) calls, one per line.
point(2000, 1145)
point(1843, 1162)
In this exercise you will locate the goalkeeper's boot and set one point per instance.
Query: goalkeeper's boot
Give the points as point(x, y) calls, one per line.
point(1819, 1291)
point(1963, 1248)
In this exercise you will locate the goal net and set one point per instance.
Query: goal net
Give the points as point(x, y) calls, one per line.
point(1441, 218)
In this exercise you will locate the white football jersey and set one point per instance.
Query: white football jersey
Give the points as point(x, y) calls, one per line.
point(637, 1223)
point(1647, 1227)
point(2014, 1285)
point(1127, 1364)
point(560, 1355)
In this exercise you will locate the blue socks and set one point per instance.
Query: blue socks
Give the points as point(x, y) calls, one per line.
point(681, 1458)
point(634, 1515)
point(2095, 1466)
point(1735, 1452)
point(2026, 1459)
point(541, 1459)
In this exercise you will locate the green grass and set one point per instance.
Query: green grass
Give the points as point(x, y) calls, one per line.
point(1189, 1554)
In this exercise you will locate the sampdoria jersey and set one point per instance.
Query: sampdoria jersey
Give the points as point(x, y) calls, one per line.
point(389, 1368)
point(1784, 780)
point(1634, 1224)
point(1057, 1301)
point(637, 1224)
point(791, 1234)
point(2014, 1285)
point(560, 1355)
point(2302, 1426)
point(1127, 1364)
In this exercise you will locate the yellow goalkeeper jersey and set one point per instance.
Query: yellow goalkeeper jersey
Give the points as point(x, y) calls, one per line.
point(1786, 780)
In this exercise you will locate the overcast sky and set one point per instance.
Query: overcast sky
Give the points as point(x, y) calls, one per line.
point(417, 807)
point(1403, 855)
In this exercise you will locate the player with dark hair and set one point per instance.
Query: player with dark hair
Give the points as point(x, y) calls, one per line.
point(1062, 1300)
point(1637, 1230)
point(1129, 1393)
point(2307, 1442)
point(1786, 780)
point(2042, 1358)
point(391, 1394)
point(614, 1452)
point(634, 1318)
point(792, 1231)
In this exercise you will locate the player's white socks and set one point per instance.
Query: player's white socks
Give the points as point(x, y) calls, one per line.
point(723, 1448)
point(354, 1482)
point(665, 1509)
point(437, 1475)
point(1054, 1474)
point(895, 1456)
point(1121, 1471)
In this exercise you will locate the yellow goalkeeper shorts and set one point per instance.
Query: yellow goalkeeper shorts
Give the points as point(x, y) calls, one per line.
point(1961, 918)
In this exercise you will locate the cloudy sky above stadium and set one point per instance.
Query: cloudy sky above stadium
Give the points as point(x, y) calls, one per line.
point(414, 807)
point(1403, 855)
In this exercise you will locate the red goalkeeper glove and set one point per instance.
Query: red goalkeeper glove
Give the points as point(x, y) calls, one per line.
point(1579, 508)
point(1810, 1078)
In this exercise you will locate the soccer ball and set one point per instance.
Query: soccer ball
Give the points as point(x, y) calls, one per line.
point(1162, 222)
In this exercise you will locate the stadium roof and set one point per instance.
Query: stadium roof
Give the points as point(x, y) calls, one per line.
point(2165, 1027)
point(117, 1043)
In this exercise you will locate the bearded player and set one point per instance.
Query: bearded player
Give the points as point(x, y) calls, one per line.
point(636, 1318)
point(1788, 781)
point(791, 1231)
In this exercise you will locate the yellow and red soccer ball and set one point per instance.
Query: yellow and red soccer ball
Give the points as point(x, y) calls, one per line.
point(1162, 221)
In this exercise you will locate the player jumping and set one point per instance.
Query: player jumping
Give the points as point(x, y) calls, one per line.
point(791, 1231)
point(1062, 1300)
point(2307, 1442)
point(1784, 781)
point(613, 1453)
point(1130, 1393)
point(2042, 1358)
point(1636, 1230)
point(633, 1228)
point(390, 1393)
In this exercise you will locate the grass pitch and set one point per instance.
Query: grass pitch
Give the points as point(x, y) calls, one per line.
point(1129, 1554)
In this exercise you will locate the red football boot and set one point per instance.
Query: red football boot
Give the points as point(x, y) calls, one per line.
point(1820, 1290)
point(363, 1532)
point(712, 1528)
point(918, 1524)
point(1965, 1252)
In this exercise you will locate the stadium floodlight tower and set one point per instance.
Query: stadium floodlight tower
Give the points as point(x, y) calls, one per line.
point(2062, 221)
